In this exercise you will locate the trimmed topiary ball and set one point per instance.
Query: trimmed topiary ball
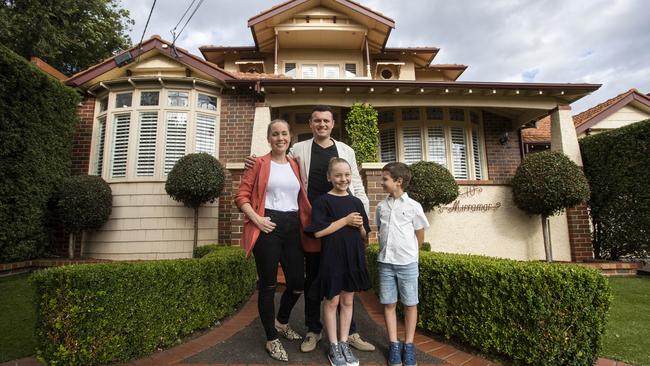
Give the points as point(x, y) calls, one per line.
point(195, 179)
point(548, 182)
point(431, 185)
point(84, 203)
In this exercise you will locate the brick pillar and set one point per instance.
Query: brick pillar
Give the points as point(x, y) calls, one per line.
point(83, 136)
point(231, 220)
point(371, 175)
point(580, 233)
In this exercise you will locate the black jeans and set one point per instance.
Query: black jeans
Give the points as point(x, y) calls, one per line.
point(312, 307)
point(281, 245)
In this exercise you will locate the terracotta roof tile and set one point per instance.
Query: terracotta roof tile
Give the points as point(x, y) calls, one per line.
point(256, 76)
point(542, 132)
point(585, 116)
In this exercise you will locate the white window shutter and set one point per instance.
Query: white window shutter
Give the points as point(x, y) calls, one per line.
point(309, 71)
point(99, 152)
point(387, 145)
point(175, 139)
point(436, 145)
point(476, 146)
point(147, 129)
point(459, 153)
point(331, 71)
point(205, 133)
point(412, 144)
point(120, 146)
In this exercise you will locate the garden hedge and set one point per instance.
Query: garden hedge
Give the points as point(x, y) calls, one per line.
point(111, 312)
point(38, 115)
point(533, 313)
point(616, 164)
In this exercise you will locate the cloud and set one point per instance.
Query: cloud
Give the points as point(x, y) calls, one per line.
point(583, 41)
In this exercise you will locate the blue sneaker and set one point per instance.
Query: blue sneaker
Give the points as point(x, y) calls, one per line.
point(409, 355)
point(395, 354)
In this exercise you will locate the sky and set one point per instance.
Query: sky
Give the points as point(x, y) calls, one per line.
point(547, 41)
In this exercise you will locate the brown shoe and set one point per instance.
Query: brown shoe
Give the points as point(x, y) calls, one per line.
point(276, 350)
point(355, 341)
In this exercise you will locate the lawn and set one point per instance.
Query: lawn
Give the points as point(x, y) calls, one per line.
point(16, 318)
point(627, 337)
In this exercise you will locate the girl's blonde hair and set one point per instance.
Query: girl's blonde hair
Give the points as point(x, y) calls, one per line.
point(334, 161)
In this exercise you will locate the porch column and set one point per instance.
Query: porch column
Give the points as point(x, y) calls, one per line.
point(565, 140)
point(259, 145)
point(563, 134)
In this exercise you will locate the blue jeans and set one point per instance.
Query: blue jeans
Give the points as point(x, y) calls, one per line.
point(394, 278)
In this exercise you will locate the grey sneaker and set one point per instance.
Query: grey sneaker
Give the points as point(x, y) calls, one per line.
point(309, 344)
point(336, 356)
point(355, 341)
point(350, 358)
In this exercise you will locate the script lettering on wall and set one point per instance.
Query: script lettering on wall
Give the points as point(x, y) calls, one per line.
point(461, 205)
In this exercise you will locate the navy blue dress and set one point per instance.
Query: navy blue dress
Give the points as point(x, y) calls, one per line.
point(343, 258)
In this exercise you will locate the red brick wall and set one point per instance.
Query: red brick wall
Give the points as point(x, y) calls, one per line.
point(372, 182)
point(237, 115)
point(83, 136)
point(580, 233)
point(502, 160)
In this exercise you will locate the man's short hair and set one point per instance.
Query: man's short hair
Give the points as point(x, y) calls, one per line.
point(398, 170)
point(322, 108)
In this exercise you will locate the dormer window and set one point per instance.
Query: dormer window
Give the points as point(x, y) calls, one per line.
point(386, 74)
point(388, 70)
point(251, 66)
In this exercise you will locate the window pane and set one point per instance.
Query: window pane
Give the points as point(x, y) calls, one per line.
point(459, 153)
point(476, 146)
point(474, 117)
point(436, 145)
point(410, 114)
point(178, 99)
point(331, 71)
point(103, 104)
point(434, 114)
point(205, 140)
point(412, 144)
point(456, 114)
point(309, 71)
point(120, 146)
point(303, 118)
point(175, 139)
point(146, 144)
point(386, 116)
point(387, 145)
point(207, 102)
point(350, 70)
point(123, 100)
point(149, 98)
point(99, 151)
point(290, 69)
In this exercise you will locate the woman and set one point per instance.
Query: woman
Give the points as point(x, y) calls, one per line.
point(275, 203)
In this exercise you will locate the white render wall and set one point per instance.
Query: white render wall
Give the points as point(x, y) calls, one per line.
point(487, 222)
point(623, 117)
point(147, 224)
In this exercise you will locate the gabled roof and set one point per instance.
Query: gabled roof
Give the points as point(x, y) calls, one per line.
point(587, 119)
point(165, 48)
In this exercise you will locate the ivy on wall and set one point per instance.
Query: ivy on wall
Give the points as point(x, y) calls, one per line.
point(362, 130)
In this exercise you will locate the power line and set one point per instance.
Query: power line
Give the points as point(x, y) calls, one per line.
point(188, 19)
point(181, 19)
point(175, 36)
point(145, 27)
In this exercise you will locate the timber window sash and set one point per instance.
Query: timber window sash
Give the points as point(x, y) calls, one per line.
point(147, 135)
point(175, 138)
point(120, 145)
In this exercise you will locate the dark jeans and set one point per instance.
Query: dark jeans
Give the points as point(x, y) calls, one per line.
point(281, 245)
point(312, 307)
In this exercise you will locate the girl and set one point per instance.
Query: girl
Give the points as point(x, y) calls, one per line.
point(340, 220)
point(275, 202)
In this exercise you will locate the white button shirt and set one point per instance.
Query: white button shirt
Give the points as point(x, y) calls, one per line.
point(397, 220)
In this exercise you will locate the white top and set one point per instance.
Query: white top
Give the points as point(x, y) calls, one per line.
point(282, 189)
point(397, 220)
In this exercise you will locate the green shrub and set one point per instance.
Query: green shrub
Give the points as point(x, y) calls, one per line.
point(361, 127)
point(616, 163)
point(425, 246)
point(431, 185)
point(530, 312)
point(548, 182)
point(202, 251)
point(38, 115)
point(112, 312)
point(194, 180)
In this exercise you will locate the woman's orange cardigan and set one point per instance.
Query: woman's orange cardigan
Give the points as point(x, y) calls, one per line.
point(252, 190)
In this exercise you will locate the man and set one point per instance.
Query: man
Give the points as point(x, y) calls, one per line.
point(313, 156)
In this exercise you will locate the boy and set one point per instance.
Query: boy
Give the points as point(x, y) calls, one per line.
point(401, 223)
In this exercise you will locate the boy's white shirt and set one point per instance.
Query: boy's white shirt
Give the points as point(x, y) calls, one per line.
point(301, 151)
point(397, 220)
